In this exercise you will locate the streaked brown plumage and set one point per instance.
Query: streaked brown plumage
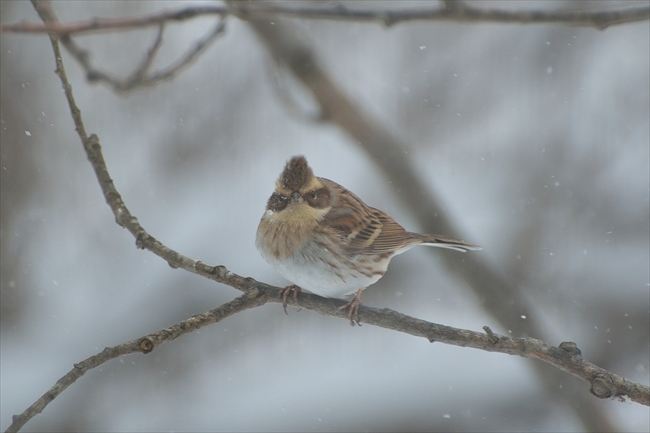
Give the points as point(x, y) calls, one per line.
point(326, 240)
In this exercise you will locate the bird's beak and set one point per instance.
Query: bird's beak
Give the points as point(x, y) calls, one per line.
point(296, 198)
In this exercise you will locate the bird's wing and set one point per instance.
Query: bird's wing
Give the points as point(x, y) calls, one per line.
point(362, 229)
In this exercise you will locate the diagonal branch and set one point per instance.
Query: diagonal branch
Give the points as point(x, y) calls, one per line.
point(566, 357)
point(145, 344)
point(93, 151)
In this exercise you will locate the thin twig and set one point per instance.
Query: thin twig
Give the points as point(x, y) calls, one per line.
point(147, 61)
point(141, 77)
point(190, 56)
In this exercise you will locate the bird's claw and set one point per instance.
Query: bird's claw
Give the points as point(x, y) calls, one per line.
point(353, 309)
point(284, 293)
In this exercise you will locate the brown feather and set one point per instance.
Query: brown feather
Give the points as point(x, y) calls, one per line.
point(296, 174)
point(393, 236)
point(362, 229)
point(366, 230)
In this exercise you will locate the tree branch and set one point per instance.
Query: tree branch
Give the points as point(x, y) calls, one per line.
point(460, 11)
point(140, 77)
point(109, 24)
point(567, 357)
point(452, 11)
point(145, 344)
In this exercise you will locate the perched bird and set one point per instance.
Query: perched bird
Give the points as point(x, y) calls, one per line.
point(324, 239)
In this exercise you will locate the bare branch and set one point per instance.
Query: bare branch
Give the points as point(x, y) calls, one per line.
point(46, 13)
point(452, 11)
point(141, 76)
point(144, 344)
point(104, 24)
point(458, 11)
point(93, 151)
point(567, 357)
point(192, 54)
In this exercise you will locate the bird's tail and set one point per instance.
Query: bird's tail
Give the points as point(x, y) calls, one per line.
point(446, 242)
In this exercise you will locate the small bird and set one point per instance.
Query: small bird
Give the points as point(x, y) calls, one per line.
point(324, 239)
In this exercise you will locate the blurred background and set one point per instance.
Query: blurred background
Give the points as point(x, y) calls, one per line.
point(535, 138)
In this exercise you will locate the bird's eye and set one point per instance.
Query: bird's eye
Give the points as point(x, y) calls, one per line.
point(282, 198)
point(312, 195)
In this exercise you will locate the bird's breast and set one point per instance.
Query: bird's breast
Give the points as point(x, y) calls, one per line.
point(281, 237)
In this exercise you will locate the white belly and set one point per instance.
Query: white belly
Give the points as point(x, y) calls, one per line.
point(318, 272)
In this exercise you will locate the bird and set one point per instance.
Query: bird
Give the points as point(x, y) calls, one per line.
point(326, 240)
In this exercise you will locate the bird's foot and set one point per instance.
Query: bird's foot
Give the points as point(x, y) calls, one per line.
point(353, 308)
point(284, 293)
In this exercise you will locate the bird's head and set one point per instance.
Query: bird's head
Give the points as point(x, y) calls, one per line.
point(299, 196)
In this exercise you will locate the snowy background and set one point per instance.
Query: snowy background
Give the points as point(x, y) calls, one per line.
point(536, 137)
